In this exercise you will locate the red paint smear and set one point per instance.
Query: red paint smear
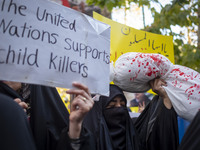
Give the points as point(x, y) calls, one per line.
point(175, 84)
point(147, 63)
point(156, 59)
point(192, 88)
point(190, 103)
point(187, 77)
point(141, 55)
point(129, 71)
point(149, 71)
point(175, 70)
point(196, 75)
point(135, 77)
point(139, 63)
point(149, 74)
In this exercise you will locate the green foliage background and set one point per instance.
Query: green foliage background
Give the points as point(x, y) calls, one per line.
point(179, 13)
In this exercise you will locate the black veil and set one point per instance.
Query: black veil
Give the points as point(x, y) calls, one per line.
point(95, 121)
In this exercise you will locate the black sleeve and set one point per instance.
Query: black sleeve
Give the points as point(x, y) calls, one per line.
point(86, 141)
point(158, 127)
point(191, 139)
point(164, 135)
point(15, 132)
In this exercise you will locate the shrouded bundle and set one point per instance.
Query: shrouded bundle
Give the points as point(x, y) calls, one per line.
point(133, 71)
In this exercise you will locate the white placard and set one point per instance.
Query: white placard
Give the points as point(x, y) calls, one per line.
point(44, 43)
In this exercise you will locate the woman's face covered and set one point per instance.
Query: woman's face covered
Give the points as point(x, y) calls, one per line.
point(115, 118)
point(115, 114)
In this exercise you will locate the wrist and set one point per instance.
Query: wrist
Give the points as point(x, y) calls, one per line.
point(74, 129)
point(167, 102)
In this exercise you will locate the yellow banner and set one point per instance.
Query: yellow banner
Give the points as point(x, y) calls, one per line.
point(126, 39)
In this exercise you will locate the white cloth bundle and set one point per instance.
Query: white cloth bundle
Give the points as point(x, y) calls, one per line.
point(133, 71)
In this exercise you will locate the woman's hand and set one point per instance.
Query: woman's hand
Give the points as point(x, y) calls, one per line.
point(157, 86)
point(80, 106)
point(22, 104)
point(141, 107)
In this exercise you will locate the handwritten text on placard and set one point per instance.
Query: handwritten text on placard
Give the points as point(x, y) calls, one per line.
point(46, 43)
point(126, 39)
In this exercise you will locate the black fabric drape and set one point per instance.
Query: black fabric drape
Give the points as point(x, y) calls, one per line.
point(48, 116)
point(49, 119)
point(95, 121)
point(5, 89)
point(157, 127)
point(191, 138)
point(15, 131)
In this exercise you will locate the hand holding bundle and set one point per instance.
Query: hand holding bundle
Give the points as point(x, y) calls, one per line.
point(133, 71)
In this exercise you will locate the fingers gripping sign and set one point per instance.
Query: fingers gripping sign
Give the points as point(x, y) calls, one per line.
point(80, 106)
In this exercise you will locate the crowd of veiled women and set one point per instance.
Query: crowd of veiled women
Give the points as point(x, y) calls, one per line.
point(33, 117)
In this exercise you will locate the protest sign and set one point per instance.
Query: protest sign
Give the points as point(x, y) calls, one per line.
point(126, 39)
point(45, 43)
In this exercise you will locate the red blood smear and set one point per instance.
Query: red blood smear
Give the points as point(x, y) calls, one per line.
point(159, 62)
point(149, 71)
point(149, 74)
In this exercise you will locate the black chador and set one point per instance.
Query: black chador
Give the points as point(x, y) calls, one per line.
point(112, 127)
point(191, 139)
point(47, 128)
point(158, 127)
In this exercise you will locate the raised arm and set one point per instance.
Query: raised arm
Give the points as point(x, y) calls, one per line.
point(157, 86)
point(80, 106)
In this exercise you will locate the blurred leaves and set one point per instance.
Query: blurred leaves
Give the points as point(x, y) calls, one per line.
point(179, 13)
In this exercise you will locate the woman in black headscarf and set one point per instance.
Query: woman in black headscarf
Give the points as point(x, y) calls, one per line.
point(110, 123)
point(157, 125)
point(49, 127)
